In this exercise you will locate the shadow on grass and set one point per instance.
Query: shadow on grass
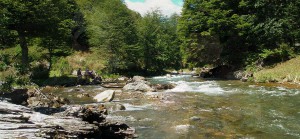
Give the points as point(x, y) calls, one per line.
point(57, 81)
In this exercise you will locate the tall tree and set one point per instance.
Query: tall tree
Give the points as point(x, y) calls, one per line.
point(159, 43)
point(39, 18)
point(238, 28)
point(111, 27)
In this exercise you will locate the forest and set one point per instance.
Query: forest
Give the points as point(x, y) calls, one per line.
point(42, 40)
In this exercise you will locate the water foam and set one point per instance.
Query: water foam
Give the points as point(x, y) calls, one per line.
point(130, 107)
point(181, 129)
point(207, 87)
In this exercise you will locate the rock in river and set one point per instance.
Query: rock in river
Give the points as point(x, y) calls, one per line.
point(105, 96)
point(21, 122)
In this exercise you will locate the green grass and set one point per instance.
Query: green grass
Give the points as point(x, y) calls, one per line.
point(288, 71)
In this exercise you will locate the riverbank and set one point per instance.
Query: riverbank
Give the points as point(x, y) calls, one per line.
point(34, 114)
point(286, 72)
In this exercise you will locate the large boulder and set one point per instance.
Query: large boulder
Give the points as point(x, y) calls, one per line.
point(138, 86)
point(21, 122)
point(105, 96)
point(138, 83)
point(76, 121)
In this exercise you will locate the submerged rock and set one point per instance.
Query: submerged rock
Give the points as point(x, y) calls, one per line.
point(113, 85)
point(195, 118)
point(112, 106)
point(163, 86)
point(83, 95)
point(105, 96)
point(183, 129)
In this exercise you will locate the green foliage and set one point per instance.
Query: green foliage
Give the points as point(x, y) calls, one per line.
point(31, 19)
point(281, 54)
point(284, 72)
point(13, 77)
point(128, 41)
point(111, 28)
point(6, 86)
point(158, 42)
point(240, 29)
point(61, 68)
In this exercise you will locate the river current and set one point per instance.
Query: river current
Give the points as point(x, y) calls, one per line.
point(198, 108)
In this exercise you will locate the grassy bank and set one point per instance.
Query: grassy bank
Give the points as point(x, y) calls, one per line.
point(288, 71)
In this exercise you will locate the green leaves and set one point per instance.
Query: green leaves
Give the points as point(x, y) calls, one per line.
point(242, 27)
point(159, 43)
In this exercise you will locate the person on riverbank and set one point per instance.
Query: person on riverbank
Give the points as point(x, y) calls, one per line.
point(86, 75)
point(79, 74)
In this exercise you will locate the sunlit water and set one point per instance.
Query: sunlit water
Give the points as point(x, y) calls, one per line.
point(198, 108)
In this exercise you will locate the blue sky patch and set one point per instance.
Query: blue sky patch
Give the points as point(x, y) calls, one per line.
point(178, 2)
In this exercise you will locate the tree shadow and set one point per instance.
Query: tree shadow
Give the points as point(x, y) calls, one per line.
point(57, 81)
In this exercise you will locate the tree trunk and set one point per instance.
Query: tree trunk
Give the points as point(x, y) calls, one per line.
point(50, 60)
point(24, 48)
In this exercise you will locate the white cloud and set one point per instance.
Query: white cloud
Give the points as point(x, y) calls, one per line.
point(167, 7)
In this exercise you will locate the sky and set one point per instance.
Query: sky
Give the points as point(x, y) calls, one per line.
point(167, 7)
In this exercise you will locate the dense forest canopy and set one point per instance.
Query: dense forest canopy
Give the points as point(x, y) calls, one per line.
point(239, 31)
point(58, 36)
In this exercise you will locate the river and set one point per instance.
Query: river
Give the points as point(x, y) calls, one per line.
point(198, 108)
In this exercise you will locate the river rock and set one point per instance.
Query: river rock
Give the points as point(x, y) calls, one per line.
point(195, 118)
point(183, 129)
point(244, 79)
point(113, 85)
point(76, 121)
point(174, 72)
point(118, 91)
point(120, 107)
point(105, 96)
point(18, 96)
point(138, 83)
point(138, 78)
point(123, 79)
point(83, 95)
point(112, 106)
point(92, 113)
point(163, 86)
point(21, 122)
point(39, 99)
point(138, 86)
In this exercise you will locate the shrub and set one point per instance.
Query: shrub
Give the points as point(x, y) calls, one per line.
point(6, 86)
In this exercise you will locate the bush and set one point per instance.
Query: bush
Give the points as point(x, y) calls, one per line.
point(281, 54)
point(6, 86)
point(40, 70)
point(13, 77)
point(60, 67)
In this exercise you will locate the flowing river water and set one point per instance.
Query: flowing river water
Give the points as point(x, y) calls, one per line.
point(198, 108)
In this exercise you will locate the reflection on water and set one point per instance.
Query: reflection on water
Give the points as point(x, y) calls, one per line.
point(197, 108)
